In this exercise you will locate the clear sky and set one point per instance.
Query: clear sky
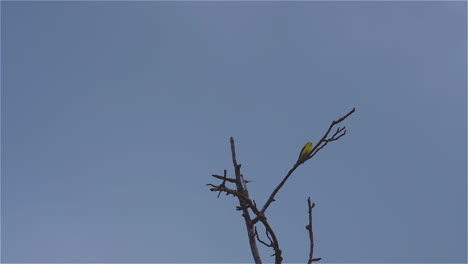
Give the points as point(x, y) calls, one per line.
point(115, 114)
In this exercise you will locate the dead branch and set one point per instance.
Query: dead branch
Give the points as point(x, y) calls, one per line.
point(261, 241)
point(227, 178)
point(322, 143)
point(245, 203)
point(311, 233)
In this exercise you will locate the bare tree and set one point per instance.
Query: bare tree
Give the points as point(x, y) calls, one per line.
point(253, 215)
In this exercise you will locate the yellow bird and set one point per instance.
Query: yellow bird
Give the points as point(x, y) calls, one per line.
point(305, 152)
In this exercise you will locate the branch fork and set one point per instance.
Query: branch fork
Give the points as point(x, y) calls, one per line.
point(245, 203)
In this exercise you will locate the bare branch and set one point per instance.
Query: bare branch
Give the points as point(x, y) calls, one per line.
point(261, 241)
point(224, 182)
point(274, 241)
point(227, 178)
point(325, 139)
point(272, 196)
point(245, 203)
point(241, 188)
point(268, 236)
point(225, 189)
point(318, 147)
point(260, 217)
point(311, 233)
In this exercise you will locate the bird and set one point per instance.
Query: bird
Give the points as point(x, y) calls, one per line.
point(305, 152)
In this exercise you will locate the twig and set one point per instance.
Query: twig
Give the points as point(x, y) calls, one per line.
point(322, 143)
point(324, 140)
point(219, 188)
point(243, 204)
point(311, 233)
point(224, 182)
point(275, 243)
point(227, 178)
point(261, 241)
point(246, 203)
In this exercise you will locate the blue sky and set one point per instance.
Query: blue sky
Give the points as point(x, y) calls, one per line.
point(115, 114)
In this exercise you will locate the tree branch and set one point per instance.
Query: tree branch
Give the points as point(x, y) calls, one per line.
point(261, 241)
point(227, 179)
point(322, 143)
point(311, 233)
point(241, 192)
point(243, 204)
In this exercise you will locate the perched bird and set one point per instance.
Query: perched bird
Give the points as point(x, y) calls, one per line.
point(305, 152)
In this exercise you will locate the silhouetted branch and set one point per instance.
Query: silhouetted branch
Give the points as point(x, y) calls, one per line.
point(322, 143)
point(220, 188)
point(340, 131)
point(311, 233)
point(227, 178)
point(224, 182)
point(261, 241)
point(245, 203)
